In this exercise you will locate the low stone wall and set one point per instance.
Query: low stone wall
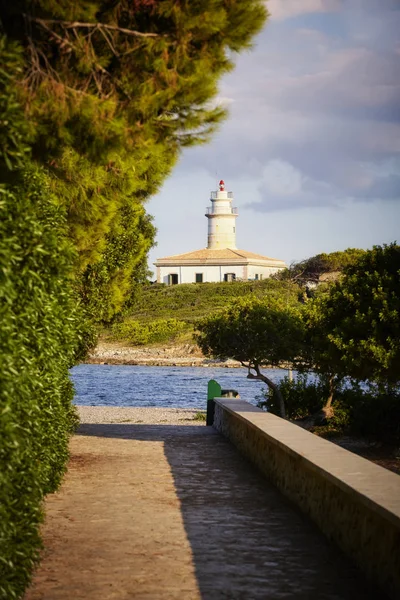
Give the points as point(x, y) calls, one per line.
point(353, 501)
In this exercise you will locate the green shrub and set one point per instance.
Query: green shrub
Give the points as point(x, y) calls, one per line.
point(139, 334)
point(132, 331)
point(200, 416)
point(303, 396)
point(39, 317)
point(164, 330)
point(373, 412)
point(368, 411)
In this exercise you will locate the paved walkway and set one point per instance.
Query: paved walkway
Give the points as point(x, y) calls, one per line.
point(174, 512)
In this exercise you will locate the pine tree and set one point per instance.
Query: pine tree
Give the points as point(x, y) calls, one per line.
point(114, 90)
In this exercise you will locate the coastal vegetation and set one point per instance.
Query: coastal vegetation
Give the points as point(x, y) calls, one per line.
point(346, 337)
point(339, 333)
point(97, 101)
point(182, 306)
point(187, 304)
point(310, 270)
point(255, 332)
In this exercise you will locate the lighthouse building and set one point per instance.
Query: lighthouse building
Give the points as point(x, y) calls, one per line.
point(221, 260)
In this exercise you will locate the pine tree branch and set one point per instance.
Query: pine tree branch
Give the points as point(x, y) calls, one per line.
point(109, 43)
point(100, 26)
point(63, 42)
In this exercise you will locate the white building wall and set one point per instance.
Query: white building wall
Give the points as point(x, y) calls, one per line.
point(262, 272)
point(187, 274)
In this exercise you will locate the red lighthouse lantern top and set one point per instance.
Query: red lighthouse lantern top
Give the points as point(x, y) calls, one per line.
point(221, 185)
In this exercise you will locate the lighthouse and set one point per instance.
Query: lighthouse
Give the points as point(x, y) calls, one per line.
point(221, 220)
point(220, 261)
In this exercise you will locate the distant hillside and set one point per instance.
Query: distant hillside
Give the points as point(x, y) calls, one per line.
point(163, 313)
point(191, 301)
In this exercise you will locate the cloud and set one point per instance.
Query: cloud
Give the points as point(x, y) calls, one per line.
point(283, 187)
point(319, 104)
point(386, 188)
point(315, 117)
point(352, 82)
point(313, 138)
point(281, 179)
point(287, 9)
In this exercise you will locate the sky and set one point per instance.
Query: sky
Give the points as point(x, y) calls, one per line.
point(311, 147)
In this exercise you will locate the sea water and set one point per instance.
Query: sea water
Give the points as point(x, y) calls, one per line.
point(167, 387)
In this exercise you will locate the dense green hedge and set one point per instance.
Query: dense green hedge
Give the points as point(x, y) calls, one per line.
point(38, 313)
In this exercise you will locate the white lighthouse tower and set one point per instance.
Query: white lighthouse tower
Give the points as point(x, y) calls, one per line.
point(221, 220)
point(221, 260)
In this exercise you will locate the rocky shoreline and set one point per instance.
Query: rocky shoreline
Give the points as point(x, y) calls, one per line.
point(186, 355)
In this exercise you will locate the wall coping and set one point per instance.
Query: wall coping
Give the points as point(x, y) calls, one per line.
point(375, 486)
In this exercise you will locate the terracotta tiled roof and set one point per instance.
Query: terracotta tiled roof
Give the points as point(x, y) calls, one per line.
point(224, 254)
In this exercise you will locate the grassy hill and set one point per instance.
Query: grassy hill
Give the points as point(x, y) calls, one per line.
point(163, 313)
point(167, 314)
point(191, 301)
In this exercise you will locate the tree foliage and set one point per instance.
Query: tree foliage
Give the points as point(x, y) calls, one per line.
point(310, 270)
point(97, 98)
point(105, 285)
point(39, 336)
point(355, 326)
point(256, 333)
point(14, 130)
point(113, 92)
point(351, 329)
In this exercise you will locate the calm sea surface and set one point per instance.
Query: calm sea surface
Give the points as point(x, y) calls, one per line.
point(173, 387)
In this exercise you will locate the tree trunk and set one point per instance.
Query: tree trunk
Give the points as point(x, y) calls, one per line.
point(326, 411)
point(260, 376)
point(328, 403)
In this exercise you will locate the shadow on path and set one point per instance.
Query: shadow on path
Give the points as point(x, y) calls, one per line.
point(248, 541)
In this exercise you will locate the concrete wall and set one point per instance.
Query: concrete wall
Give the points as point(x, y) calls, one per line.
point(353, 501)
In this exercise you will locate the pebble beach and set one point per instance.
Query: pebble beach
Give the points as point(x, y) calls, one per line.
point(145, 415)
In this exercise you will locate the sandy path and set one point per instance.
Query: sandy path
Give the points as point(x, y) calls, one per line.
point(165, 512)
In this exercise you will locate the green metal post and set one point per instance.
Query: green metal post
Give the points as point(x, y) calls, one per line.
point(213, 391)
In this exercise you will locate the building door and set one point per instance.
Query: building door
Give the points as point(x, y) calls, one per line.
point(172, 279)
point(229, 276)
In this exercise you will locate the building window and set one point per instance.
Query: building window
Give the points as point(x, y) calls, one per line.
point(229, 276)
point(256, 276)
point(199, 277)
point(172, 279)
